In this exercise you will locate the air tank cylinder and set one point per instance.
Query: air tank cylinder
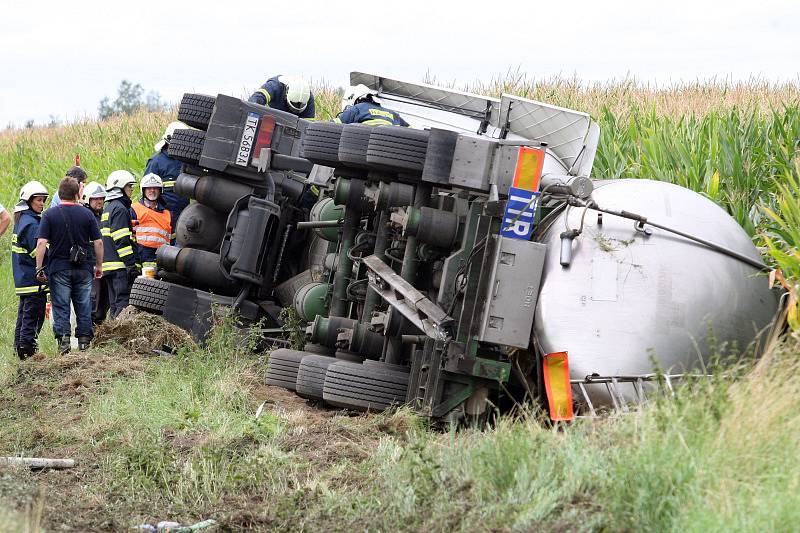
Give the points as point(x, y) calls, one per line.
point(214, 191)
point(199, 266)
point(201, 227)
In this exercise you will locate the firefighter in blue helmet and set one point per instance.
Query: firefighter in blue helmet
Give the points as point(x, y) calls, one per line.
point(360, 105)
point(291, 94)
point(168, 169)
point(32, 294)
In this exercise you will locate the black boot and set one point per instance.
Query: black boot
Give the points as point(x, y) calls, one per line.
point(63, 345)
point(83, 343)
point(23, 352)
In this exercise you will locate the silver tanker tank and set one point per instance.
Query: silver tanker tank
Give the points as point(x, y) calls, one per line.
point(628, 299)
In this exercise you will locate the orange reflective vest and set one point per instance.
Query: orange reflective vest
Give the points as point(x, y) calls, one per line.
point(153, 227)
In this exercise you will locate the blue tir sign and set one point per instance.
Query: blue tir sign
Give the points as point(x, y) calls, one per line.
point(519, 215)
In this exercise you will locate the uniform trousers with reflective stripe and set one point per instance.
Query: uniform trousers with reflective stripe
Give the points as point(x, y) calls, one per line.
point(99, 300)
point(119, 290)
point(147, 255)
point(30, 318)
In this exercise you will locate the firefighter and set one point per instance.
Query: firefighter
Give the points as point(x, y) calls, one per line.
point(94, 196)
point(151, 220)
point(291, 94)
point(168, 169)
point(32, 294)
point(120, 263)
point(361, 105)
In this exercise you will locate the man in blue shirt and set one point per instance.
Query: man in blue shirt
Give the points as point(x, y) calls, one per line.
point(291, 94)
point(360, 105)
point(70, 230)
point(75, 172)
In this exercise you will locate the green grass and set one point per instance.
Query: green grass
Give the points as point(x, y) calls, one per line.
point(177, 437)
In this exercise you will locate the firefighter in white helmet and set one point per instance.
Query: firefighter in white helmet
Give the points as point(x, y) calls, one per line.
point(168, 169)
point(360, 105)
point(291, 94)
point(152, 225)
point(120, 262)
point(94, 196)
point(32, 294)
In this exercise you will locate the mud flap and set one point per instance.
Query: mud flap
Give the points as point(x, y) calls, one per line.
point(192, 310)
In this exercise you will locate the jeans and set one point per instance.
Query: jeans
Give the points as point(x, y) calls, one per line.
point(119, 290)
point(30, 318)
point(71, 285)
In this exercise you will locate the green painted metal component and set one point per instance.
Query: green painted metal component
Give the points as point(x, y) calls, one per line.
point(413, 216)
point(319, 330)
point(453, 400)
point(327, 210)
point(310, 300)
point(341, 192)
point(489, 369)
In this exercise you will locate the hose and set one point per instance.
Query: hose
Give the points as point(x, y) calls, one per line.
point(642, 220)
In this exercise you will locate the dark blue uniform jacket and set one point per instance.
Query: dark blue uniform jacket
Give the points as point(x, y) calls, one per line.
point(277, 98)
point(23, 254)
point(370, 114)
point(168, 169)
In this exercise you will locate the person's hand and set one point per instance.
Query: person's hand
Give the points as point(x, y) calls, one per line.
point(98, 272)
point(41, 277)
point(133, 273)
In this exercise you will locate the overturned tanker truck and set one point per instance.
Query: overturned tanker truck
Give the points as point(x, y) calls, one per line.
point(465, 262)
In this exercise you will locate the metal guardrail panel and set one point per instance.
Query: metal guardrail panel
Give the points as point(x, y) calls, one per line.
point(564, 130)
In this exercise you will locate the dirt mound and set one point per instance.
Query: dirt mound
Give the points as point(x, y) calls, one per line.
point(141, 332)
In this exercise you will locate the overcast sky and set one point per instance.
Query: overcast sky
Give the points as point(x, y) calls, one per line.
point(60, 58)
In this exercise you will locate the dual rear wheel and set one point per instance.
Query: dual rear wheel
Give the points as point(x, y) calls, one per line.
point(370, 385)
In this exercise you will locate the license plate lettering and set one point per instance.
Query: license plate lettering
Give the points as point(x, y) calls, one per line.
point(248, 136)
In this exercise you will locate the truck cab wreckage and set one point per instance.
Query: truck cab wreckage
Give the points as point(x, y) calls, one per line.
point(465, 262)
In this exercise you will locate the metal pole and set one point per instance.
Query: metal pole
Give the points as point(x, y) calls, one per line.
point(344, 268)
point(393, 346)
point(410, 262)
point(381, 242)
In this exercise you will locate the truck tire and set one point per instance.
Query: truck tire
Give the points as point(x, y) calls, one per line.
point(149, 294)
point(187, 145)
point(282, 367)
point(311, 376)
point(388, 366)
point(321, 143)
point(398, 149)
point(364, 387)
point(439, 158)
point(195, 110)
point(353, 145)
point(318, 349)
point(345, 355)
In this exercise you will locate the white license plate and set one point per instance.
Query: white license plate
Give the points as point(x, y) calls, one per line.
point(248, 139)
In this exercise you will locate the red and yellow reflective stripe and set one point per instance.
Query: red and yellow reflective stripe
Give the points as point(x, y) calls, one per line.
point(556, 383)
point(529, 168)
